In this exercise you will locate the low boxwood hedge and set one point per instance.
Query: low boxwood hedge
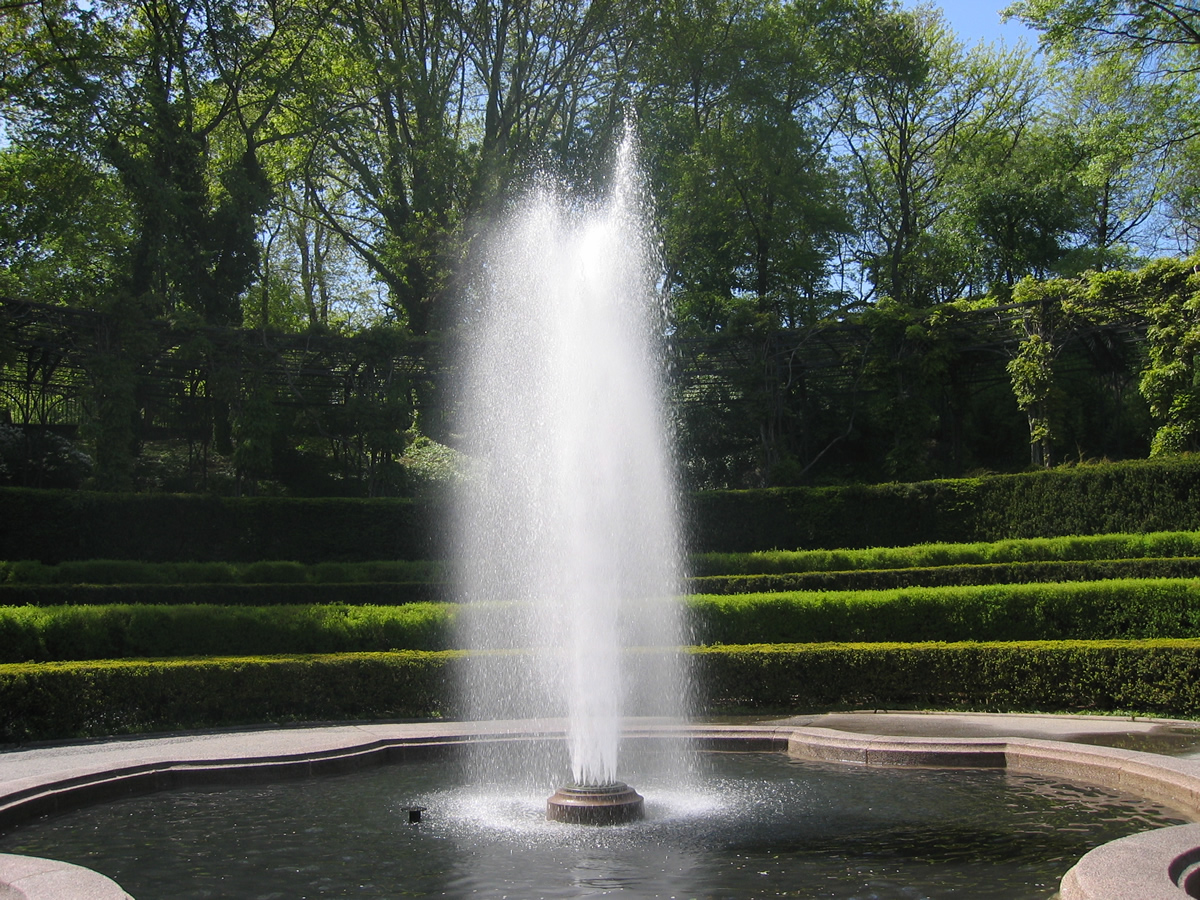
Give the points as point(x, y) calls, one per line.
point(946, 576)
point(384, 594)
point(1114, 498)
point(1159, 677)
point(37, 634)
point(1100, 547)
point(1129, 497)
point(57, 525)
point(58, 700)
point(1073, 611)
point(128, 571)
point(1116, 609)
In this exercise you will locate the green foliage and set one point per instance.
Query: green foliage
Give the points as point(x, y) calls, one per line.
point(41, 701)
point(29, 633)
point(1058, 549)
point(1073, 611)
point(64, 525)
point(1117, 498)
point(1158, 677)
point(1170, 290)
point(222, 594)
point(77, 699)
point(134, 572)
point(949, 576)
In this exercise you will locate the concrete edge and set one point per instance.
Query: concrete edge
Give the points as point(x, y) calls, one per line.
point(33, 878)
point(1153, 865)
point(1166, 858)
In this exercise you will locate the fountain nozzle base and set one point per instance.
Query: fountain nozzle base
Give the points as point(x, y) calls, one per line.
point(604, 804)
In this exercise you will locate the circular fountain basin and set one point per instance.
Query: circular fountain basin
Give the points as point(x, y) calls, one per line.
point(596, 804)
point(51, 779)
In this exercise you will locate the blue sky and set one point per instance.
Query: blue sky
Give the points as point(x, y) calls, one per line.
point(977, 20)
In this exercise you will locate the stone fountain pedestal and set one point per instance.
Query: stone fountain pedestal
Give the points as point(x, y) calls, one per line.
point(603, 804)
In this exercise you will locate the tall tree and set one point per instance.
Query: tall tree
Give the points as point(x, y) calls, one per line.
point(738, 114)
point(177, 98)
point(1136, 65)
point(1020, 204)
point(921, 101)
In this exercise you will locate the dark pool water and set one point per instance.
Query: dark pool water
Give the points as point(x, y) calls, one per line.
point(746, 825)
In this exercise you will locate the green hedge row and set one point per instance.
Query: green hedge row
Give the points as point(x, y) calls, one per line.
point(1133, 497)
point(219, 594)
point(1159, 677)
point(1143, 496)
point(1136, 609)
point(128, 571)
point(54, 526)
point(397, 594)
point(1167, 608)
point(34, 634)
point(946, 576)
point(1102, 547)
point(59, 700)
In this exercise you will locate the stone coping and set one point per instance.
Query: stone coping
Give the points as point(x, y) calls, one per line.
point(1154, 865)
point(31, 878)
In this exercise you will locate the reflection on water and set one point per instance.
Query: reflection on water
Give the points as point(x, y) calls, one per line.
point(745, 826)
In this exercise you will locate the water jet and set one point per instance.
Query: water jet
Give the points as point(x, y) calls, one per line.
point(567, 542)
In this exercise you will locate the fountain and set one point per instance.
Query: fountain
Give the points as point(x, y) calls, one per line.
point(567, 537)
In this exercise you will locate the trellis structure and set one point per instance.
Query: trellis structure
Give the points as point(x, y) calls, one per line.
point(354, 389)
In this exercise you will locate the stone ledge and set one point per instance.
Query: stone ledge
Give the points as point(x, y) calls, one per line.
point(1139, 867)
point(32, 878)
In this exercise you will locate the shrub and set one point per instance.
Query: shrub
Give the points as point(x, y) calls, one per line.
point(219, 594)
point(949, 576)
point(124, 631)
point(1160, 677)
point(1167, 608)
point(59, 700)
point(1056, 549)
point(1130, 497)
point(65, 525)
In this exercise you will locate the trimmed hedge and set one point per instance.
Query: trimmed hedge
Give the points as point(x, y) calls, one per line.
point(60, 700)
point(946, 576)
point(54, 526)
point(1104, 547)
point(35, 634)
point(1152, 495)
point(387, 594)
point(1168, 608)
point(128, 571)
point(1159, 677)
point(1141, 496)
point(68, 700)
